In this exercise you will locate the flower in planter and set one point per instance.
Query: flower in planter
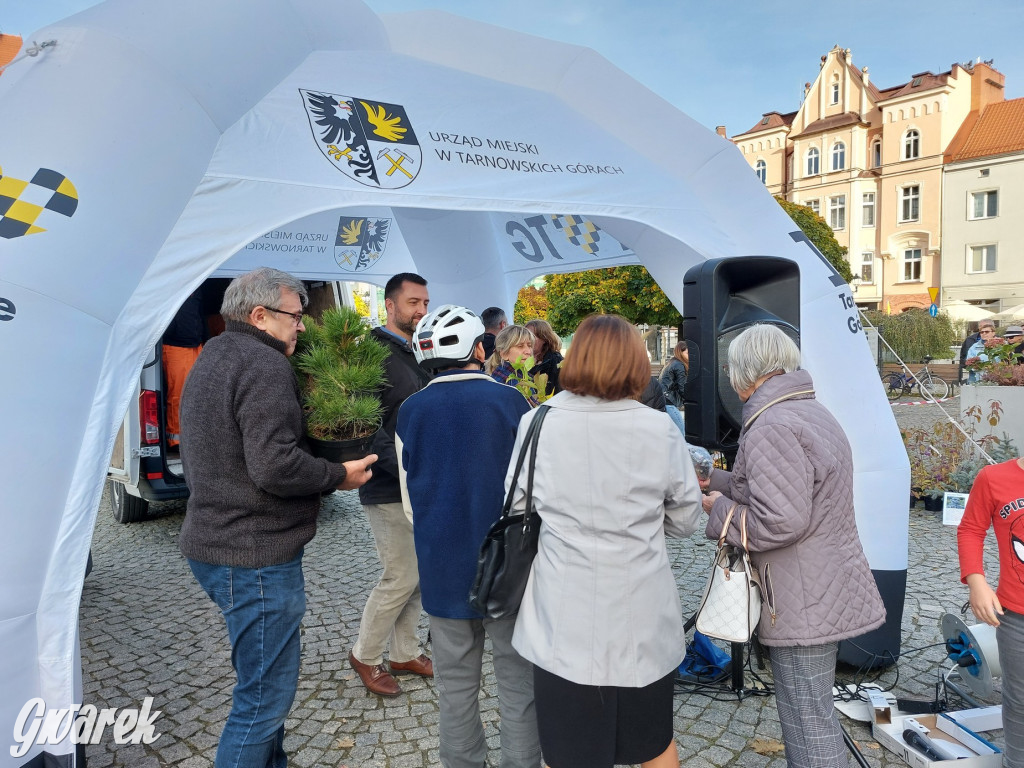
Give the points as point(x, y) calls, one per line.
point(946, 456)
point(996, 361)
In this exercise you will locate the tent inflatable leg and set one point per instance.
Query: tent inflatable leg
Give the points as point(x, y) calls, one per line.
point(880, 647)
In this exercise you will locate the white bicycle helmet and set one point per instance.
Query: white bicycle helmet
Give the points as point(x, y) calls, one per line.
point(446, 337)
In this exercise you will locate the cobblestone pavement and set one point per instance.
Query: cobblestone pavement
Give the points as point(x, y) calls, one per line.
point(148, 630)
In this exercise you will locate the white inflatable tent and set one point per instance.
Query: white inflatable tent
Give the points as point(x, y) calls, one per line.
point(153, 142)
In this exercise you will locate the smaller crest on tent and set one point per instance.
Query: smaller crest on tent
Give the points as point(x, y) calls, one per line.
point(360, 242)
point(371, 142)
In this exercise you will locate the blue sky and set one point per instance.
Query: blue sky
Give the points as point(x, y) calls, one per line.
point(724, 63)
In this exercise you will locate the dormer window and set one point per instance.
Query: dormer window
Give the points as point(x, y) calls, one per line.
point(765, 120)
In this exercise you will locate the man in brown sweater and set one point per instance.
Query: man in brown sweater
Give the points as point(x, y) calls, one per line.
point(255, 495)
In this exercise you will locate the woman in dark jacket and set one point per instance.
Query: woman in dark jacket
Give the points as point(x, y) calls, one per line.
point(793, 483)
point(547, 352)
point(673, 375)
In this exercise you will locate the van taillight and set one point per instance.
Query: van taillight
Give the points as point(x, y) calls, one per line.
point(149, 418)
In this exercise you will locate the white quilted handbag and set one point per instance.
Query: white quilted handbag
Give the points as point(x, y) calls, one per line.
point(731, 606)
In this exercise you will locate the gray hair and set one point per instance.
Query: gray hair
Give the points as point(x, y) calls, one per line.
point(260, 288)
point(758, 351)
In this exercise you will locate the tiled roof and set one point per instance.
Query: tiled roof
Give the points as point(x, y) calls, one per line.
point(827, 123)
point(9, 47)
point(999, 130)
point(771, 120)
point(925, 81)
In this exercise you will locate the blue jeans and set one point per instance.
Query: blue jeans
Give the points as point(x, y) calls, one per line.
point(263, 609)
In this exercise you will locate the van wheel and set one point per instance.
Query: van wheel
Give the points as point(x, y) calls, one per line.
point(126, 508)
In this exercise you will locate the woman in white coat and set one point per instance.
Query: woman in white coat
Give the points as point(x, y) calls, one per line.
point(601, 619)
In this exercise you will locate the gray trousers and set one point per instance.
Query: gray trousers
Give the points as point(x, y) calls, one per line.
point(1010, 639)
point(804, 676)
point(458, 649)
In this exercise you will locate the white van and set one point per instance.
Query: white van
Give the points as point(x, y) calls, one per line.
point(143, 468)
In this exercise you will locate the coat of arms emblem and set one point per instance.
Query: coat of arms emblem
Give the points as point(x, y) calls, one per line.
point(371, 142)
point(360, 242)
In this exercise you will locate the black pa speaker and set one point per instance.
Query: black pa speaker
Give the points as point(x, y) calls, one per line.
point(722, 298)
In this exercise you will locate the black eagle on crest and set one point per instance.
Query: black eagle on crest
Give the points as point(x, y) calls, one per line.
point(341, 127)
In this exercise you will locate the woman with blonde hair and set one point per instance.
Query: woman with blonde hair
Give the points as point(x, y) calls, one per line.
point(514, 343)
point(601, 620)
point(547, 353)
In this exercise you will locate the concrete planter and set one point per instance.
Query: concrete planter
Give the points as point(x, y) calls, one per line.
point(1012, 401)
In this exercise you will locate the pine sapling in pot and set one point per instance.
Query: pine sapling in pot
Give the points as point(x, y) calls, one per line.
point(341, 370)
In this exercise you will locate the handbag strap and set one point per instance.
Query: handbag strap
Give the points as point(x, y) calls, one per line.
point(529, 444)
point(743, 527)
point(725, 525)
point(766, 406)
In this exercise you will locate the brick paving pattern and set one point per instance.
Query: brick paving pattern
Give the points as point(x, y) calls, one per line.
point(148, 630)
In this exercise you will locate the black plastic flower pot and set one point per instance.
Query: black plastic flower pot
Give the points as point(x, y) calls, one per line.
point(341, 450)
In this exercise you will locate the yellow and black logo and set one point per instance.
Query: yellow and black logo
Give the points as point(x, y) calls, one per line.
point(371, 142)
point(22, 202)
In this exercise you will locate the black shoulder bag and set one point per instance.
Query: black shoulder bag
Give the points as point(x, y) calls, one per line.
point(507, 553)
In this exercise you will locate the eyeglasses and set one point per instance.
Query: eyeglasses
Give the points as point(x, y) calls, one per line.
point(296, 316)
point(987, 330)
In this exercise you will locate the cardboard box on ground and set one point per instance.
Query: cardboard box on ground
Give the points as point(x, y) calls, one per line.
point(957, 731)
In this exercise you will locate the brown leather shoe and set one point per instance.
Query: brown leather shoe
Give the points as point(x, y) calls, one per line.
point(377, 679)
point(421, 666)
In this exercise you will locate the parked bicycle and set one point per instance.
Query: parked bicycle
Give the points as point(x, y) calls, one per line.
point(929, 386)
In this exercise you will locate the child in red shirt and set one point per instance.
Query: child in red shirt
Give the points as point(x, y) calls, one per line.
point(997, 499)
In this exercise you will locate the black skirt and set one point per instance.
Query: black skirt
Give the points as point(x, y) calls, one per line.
point(590, 726)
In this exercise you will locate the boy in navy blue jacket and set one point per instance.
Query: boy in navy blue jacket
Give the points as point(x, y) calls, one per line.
point(454, 440)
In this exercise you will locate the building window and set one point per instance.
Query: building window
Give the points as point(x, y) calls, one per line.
point(837, 212)
point(876, 155)
point(867, 267)
point(761, 169)
point(912, 264)
point(838, 156)
point(868, 208)
point(912, 145)
point(835, 93)
point(910, 203)
point(984, 205)
point(813, 165)
point(982, 259)
point(814, 205)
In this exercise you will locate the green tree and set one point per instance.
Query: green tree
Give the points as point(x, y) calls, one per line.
point(627, 291)
point(914, 333)
point(819, 233)
point(531, 304)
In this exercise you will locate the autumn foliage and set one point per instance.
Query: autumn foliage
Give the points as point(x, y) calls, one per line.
point(627, 291)
point(531, 304)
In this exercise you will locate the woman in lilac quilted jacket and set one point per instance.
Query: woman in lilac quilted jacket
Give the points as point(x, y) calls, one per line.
point(793, 482)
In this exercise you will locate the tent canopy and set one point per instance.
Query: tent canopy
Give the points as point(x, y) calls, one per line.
point(958, 310)
point(156, 143)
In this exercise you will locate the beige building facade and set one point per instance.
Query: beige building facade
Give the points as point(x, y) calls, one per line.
point(983, 195)
point(870, 162)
